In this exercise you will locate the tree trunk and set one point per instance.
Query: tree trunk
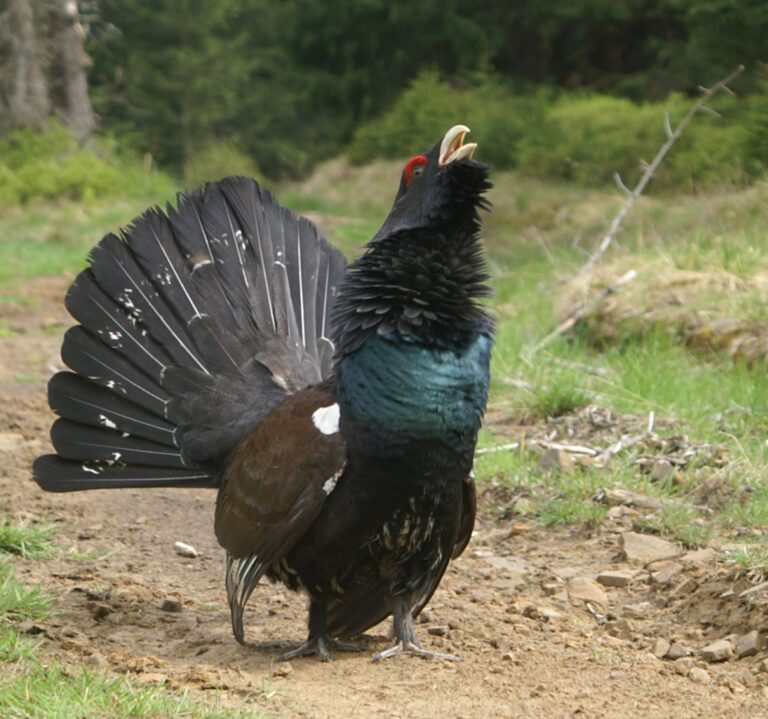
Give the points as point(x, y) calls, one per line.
point(77, 111)
point(23, 88)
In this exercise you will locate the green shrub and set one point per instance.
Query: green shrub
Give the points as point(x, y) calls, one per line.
point(52, 165)
point(584, 138)
point(430, 106)
point(217, 160)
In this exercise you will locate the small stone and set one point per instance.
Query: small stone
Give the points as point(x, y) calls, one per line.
point(10, 441)
point(615, 578)
point(185, 550)
point(700, 556)
point(661, 647)
point(171, 605)
point(556, 460)
point(524, 506)
point(584, 589)
point(717, 651)
point(100, 611)
point(282, 669)
point(661, 471)
point(438, 631)
point(646, 548)
point(620, 628)
point(762, 667)
point(666, 573)
point(748, 645)
point(677, 650)
point(700, 676)
point(96, 661)
point(683, 666)
point(638, 610)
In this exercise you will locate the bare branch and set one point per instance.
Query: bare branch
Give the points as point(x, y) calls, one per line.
point(620, 184)
point(721, 86)
point(583, 310)
point(631, 197)
point(667, 125)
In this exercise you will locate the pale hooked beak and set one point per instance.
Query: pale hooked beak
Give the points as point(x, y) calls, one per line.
point(452, 147)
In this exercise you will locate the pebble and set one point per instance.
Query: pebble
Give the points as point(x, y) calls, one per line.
point(700, 556)
point(615, 578)
point(171, 605)
point(646, 548)
point(282, 669)
point(748, 645)
point(762, 667)
point(700, 676)
point(677, 650)
point(100, 611)
point(661, 647)
point(585, 589)
point(438, 631)
point(666, 573)
point(558, 460)
point(661, 471)
point(638, 610)
point(717, 651)
point(185, 550)
point(683, 666)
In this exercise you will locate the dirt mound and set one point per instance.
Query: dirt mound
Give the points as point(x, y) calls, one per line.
point(705, 310)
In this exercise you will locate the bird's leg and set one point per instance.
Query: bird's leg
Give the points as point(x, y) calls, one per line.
point(405, 635)
point(319, 643)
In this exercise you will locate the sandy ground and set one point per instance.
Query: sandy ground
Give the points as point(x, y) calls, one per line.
point(536, 635)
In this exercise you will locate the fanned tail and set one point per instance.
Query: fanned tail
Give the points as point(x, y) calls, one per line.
point(194, 325)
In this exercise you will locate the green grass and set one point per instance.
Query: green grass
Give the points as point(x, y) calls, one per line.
point(34, 687)
point(27, 539)
point(50, 692)
point(18, 602)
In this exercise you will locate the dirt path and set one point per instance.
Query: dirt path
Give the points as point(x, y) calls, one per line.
point(511, 606)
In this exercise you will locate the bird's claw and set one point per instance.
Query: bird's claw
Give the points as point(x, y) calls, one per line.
point(415, 650)
point(320, 647)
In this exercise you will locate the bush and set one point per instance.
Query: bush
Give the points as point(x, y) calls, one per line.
point(583, 138)
point(217, 160)
point(430, 106)
point(52, 165)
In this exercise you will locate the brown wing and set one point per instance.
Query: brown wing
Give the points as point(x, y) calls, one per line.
point(366, 602)
point(274, 488)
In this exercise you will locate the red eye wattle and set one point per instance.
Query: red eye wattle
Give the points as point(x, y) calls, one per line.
point(414, 168)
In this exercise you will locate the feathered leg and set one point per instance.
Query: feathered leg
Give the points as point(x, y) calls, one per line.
point(405, 635)
point(319, 643)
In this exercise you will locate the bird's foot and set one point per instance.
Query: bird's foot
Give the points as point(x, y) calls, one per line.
point(414, 650)
point(321, 647)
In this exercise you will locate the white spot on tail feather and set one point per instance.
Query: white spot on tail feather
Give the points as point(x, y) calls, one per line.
point(326, 419)
point(107, 422)
point(330, 484)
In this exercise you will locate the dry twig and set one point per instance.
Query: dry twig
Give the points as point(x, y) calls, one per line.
point(631, 197)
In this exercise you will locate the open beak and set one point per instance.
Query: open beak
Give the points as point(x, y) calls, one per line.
point(452, 147)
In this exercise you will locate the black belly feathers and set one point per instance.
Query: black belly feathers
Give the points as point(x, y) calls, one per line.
point(205, 356)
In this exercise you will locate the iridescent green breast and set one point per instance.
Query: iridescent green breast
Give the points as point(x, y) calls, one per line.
point(410, 389)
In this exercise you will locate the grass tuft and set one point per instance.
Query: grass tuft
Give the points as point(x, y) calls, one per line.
point(26, 539)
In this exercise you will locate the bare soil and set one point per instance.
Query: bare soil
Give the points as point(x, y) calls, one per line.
point(530, 647)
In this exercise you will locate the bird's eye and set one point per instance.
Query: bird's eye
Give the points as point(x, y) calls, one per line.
point(415, 168)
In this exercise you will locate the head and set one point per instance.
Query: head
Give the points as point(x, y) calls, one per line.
point(441, 188)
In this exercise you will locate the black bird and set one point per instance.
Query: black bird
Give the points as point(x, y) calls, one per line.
point(225, 344)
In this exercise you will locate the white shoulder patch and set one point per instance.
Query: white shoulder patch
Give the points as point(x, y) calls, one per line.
point(326, 419)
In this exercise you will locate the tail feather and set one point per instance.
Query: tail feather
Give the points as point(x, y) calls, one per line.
point(86, 402)
point(195, 325)
point(55, 474)
point(87, 356)
point(73, 440)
